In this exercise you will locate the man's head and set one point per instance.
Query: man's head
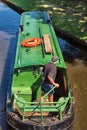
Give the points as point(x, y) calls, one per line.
point(54, 59)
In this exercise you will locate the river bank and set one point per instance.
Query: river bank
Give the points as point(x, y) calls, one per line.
point(61, 17)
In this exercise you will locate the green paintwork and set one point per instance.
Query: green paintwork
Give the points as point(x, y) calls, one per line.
point(26, 83)
point(34, 25)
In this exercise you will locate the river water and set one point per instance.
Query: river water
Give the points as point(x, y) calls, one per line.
point(9, 22)
point(76, 61)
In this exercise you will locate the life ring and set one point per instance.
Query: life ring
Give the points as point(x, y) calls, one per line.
point(31, 42)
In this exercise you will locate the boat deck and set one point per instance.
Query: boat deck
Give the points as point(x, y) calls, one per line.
point(47, 120)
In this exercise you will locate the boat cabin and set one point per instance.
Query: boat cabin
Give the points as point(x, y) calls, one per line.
point(36, 44)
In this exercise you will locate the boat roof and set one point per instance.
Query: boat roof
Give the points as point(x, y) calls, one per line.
point(35, 25)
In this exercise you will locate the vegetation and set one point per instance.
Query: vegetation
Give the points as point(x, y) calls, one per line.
point(68, 15)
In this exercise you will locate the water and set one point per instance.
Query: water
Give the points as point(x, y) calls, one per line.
point(76, 61)
point(9, 22)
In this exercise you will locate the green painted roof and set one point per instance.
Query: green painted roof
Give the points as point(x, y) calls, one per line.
point(35, 25)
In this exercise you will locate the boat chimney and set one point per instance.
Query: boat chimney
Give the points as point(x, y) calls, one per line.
point(21, 28)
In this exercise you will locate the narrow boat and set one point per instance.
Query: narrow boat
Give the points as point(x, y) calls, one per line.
point(37, 43)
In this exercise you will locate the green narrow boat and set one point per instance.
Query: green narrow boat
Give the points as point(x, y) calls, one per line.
point(36, 44)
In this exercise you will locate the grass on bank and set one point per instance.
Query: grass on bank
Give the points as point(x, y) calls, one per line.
point(68, 15)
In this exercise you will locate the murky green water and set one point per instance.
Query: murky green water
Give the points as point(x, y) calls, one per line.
point(77, 72)
point(76, 62)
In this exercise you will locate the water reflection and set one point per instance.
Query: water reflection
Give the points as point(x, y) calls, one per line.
point(70, 52)
point(3, 8)
point(3, 124)
point(9, 22)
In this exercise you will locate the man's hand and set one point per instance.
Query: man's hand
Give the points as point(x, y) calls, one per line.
point(56, 85)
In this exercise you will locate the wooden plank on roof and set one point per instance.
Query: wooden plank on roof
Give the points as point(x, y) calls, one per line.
point(47, 43)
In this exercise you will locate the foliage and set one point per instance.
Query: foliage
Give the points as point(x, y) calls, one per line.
point(71, 16)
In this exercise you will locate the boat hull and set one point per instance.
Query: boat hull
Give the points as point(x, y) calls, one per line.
point(66, 124)
point(24, 112)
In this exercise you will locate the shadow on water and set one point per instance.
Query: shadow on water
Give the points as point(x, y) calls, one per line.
point(6, 76)
point(8, 26)
point(3, 124)
point(71, 53)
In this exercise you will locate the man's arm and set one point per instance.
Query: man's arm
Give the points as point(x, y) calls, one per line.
point(52, 82)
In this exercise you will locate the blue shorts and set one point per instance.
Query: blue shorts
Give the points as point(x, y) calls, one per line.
point(47, 87)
